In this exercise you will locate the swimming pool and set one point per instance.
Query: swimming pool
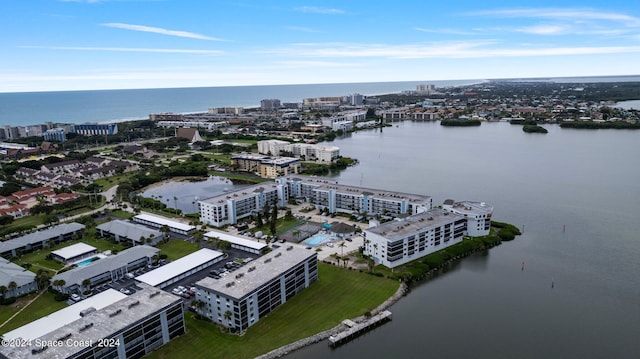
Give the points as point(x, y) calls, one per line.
point(86, 261)
point(317, 239)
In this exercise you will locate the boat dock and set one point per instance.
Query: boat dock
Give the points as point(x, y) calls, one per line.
point(356, 329)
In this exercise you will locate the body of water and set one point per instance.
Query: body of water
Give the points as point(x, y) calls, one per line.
point(29, 108)
point(629, 105)
point(185, 195)
point(579, 293)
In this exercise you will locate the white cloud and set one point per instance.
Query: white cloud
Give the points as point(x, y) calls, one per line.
point(158, 30)
point(560, 13)
point(543, 29)
point(320, 10)
point(318, 64)
point(126, 49)
point(461, 49)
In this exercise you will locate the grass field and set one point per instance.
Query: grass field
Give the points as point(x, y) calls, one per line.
point(177, 249)
point(337, 295)
point(38, 259)
point(44, 305)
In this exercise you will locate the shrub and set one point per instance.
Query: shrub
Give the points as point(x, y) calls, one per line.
point(506, 234)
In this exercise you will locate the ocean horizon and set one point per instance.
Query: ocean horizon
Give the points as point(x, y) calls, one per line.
point(101, 106)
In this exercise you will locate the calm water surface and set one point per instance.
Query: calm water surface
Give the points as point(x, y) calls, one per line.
point(486, 306)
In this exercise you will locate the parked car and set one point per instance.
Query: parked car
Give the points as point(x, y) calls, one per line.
point(75, 297)
point(125, 291)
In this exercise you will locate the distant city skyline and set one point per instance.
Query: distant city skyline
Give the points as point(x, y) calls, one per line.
point(55, 45)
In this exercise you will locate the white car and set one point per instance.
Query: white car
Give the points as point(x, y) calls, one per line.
point(75, 297)
point(125, 291)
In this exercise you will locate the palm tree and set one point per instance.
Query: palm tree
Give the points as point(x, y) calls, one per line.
point(86, 283)
point(227, 317)
point(12, 287)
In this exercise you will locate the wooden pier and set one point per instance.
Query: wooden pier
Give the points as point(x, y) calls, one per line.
point(356, 329)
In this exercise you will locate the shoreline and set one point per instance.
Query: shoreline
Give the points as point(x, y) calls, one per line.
point(403, 289)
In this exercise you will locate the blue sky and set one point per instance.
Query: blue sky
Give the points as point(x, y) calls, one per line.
point(111, 44)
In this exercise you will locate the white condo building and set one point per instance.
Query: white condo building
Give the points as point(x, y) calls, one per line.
point(107, 325)
point(240, 299)
point(398, 242)
point(327, 193)
point(478, 215)
point(309, 152)
point(228, 208)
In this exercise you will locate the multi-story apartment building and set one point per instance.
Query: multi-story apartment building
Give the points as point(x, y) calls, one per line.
point(478, 215)
point(272, 147)
point(93, 129)
point(55, 134)
point(228, 208)
point(107, 325)
point(278, 167)
point(306, 151)
point(326, 193)
point(400, 241)
point(270, 104)
point(241, 299)
point(265, 166)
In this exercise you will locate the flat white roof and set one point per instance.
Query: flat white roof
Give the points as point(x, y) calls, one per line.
point(64, 316)
point(179, 266)
point(74, 250)
point(165, 221)
point(233, 239)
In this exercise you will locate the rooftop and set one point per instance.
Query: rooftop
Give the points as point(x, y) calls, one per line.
point(164, 221)
point(258, 272)
point(39, 236)
point(236, 239)
point(331, 184)
point(414, 224)
point(77, 275)
point(129, 230)
point(179, 266)
point(243, 193)
point(11, 272)
point(74, 250)
point(469, 207)
point(113, 312)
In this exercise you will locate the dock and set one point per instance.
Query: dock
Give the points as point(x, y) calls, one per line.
point(356, 329)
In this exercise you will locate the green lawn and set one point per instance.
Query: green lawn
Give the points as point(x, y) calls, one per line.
point(177, 248)
point(109, 182)
point(44, 305)
point(38, 259)
point(282, 225)
point(122, 214)
point(338, 294)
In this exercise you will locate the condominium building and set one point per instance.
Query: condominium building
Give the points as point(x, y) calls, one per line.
point(228, 208)
point(272, 147)
point(328, 194)
point(278, 167)
point(55, 134)
point(404, 240)
point(265, 166)
point(239, 300)
point(478, 215)
point(93, 129)
point(25, 281)
point(107, 325)
point(305, 151)
point(270, 104)
point(104, 269)
point(40, 239)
